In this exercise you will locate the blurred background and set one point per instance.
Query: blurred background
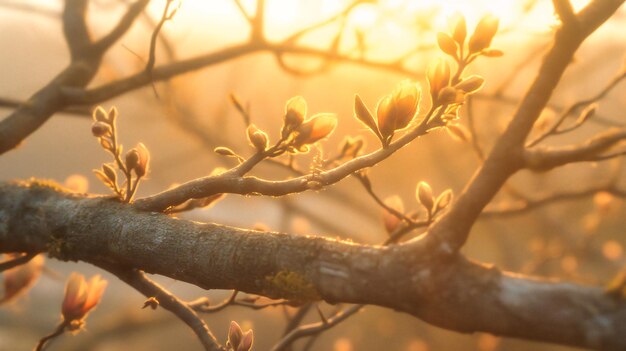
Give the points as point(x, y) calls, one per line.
point(580, 239)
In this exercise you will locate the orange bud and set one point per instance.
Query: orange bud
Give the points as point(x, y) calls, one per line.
point(471, 84)
point(257, 137)
point(390, 221)
point(18, 280)
point(113, 114)
point(315, 128)
point(109, 172)
point(295, 111)
point(447, 95)
point(99, 129)
point(484, 33)
point(364, 115)
point(132, 159)
point(235, 335)
point(438, 78)
point(397, 110)
point(443, 200)
point(447, 44)
point(425, 195)
point(144, 159)
point(100, 115)
point(81, 296)
point(460, 29)
point(248, 340)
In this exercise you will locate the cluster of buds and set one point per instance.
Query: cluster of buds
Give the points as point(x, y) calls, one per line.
point(394, 112)
point(424, 195)
point(136, 160)
point(479, 43)
point(18, 280)
point(237, 339)
point(449, 91)
point(80, 298)
point(299, 132)
point(103, 126)
point(443, 93)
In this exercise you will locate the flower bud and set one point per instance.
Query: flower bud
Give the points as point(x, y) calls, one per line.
point(447, 44)
point(18, 280)
point(295, 111)
point(471, 84)
point(100, 115)
point(447, 95)
point(132, 159)
point(315, 128)
point(257, 137)
point(425, 195)
point(438, 78)
point(81, 297)
point(100, 129)
point(390, 220)
point(483, 34)
point(144, 158)
point(460, 29)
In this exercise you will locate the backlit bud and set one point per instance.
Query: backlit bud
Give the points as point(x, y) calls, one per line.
point(447, 44)
point(18, 280)
point(364, 115)
point(425, 195)
point(81, 297)
point(390, 220)
point(397, 110)
point(315, 128)
point(483, 34)
point(471, 84)
point(447, 95)
point(99, 129)
point(132, 159)
point(257, 137)
point(460, 29)
point(295, 111)
point(438, 78)
point(100, 115)
point(235, 335)
point(144, 159)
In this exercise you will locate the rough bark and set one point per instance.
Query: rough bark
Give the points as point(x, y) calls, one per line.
point(449, 291)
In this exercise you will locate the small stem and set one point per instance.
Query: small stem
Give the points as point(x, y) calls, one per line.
point(18, 261)
point(58, 331)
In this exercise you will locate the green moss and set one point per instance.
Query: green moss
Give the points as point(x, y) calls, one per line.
point(58, 248)
point(290, 285)
point(45, 184)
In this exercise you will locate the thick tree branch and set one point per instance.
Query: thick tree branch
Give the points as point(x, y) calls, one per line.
point(447, 291)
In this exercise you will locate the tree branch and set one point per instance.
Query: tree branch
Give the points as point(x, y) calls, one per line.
point(149, 288)
point(124, 24)
point(545, 158)
point(507, 156)
point(448, 291)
